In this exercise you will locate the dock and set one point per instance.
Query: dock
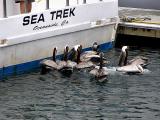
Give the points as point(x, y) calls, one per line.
point(137, 25)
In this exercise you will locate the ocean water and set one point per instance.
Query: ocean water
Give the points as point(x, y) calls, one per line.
point(54, 96)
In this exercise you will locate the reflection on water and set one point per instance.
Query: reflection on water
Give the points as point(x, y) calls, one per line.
point(79, 97)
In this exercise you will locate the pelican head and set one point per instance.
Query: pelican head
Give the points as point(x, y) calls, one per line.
point(66, 48)
point(124, 48)
point(95, 46)
point(77, 46)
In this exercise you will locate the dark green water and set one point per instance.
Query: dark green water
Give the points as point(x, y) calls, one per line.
point(78, 97)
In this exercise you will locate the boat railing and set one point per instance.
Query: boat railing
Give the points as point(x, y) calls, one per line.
point(5, 3)
point(4, 9)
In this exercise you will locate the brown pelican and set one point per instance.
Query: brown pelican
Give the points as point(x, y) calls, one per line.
point(66, 66)
point(133, 66)
point(138, 60)
point(47, 65)
point(92, 56)
point(90, 60)
point(94, 51)
point(99, 72)
point(72, 55)
point(82, 64)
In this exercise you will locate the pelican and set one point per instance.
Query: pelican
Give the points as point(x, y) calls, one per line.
point(92, 56)
point(100, 72)
point(138, 60)
point(82, 64)
point(94, 51)
point(47, 65)
point(66, 66)
point(95, 47)
point(72, 55)
point(133, 66)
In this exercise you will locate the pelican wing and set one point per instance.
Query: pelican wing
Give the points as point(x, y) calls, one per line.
point(87, 53)
point(139, 60)
point(99, 72)
point(61, 65)
point(71, 64)
point(93, 58)
point(94, 71)
point(49, 63)
point(82, 65)
point(130, 69)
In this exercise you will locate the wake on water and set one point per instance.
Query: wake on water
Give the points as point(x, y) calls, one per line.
point(113, 71)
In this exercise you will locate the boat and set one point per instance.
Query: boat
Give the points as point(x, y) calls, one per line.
point(26, 39)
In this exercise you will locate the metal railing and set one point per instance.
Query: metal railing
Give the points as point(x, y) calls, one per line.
point(26, 2)
point(84, 1)
point(4, 9)
point(47, 4)
point(25, 6)
point(67, 2)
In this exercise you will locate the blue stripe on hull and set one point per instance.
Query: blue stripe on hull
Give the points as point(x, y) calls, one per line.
point(25, 67)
